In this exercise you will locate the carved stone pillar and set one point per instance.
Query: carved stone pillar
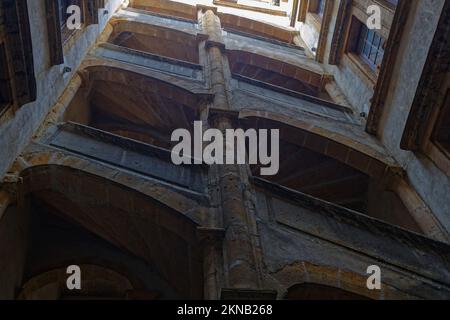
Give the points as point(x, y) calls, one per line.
point(239, 255)
point(211, 240)
point(214, 47)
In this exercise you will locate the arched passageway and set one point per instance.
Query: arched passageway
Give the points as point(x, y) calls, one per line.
point(70, 217)
point(134, 106)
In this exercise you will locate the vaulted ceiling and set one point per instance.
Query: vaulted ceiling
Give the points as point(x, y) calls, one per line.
point(137, 114)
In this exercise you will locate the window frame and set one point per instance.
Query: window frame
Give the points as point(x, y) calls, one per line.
point(359, 62)
point(58, 37)
point(363, 42)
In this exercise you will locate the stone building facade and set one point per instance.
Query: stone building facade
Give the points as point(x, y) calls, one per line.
point(86, 118)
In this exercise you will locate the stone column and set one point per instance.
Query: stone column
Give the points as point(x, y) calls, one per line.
point(214, 47)
point(211, 240)
point(239, 255)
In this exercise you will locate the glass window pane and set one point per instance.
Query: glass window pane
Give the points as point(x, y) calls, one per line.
point(379, 58)
point(376, 39)
point(373, 54)
point(362, 39)
point(370, 47)
point(370, 34)
point(367, 48)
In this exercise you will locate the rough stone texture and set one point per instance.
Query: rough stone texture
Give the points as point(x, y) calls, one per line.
point(431, 184)
point(156, 230)
point(50, 81)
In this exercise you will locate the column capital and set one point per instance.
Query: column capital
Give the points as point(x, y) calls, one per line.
point(203, 8)
point(211, 43)
point(216, 116)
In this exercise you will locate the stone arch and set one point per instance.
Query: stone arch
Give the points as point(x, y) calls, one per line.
point(178, 199)
point(360, 156)
point(276, 72)
point(133, 105)
point(331, 167)
point(97, 282)
point(171, 8)
point(143, 82)
point(304, 275)
point(257, 28)
point(130, 221)
point(156, 40)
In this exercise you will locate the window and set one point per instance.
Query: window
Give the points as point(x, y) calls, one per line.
point(366, 48)
point(370, 47)
point(5, 92)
